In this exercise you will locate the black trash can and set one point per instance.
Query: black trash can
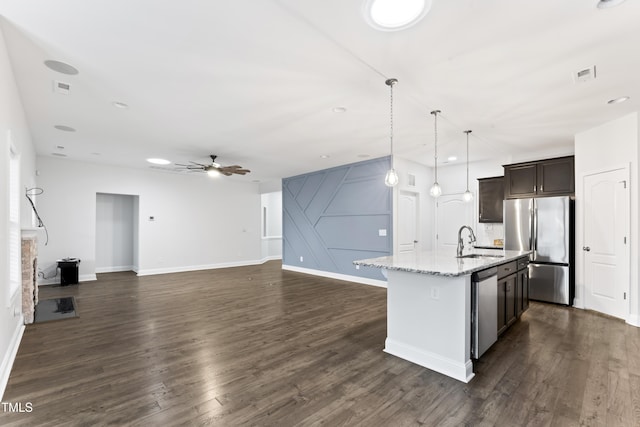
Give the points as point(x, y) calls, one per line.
point(68, 271)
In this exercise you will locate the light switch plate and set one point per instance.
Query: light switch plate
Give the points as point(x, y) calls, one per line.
point(382, 232)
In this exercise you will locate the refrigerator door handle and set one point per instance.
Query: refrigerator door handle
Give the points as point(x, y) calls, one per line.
point(535, 231)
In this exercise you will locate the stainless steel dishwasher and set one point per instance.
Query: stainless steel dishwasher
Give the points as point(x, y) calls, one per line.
point(484, 311)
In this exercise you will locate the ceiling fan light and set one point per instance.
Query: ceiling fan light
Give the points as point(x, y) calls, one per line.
point(213, 172)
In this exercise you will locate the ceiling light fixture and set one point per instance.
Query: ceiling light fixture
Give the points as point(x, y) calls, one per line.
point(606, 4)
point(468, 195)
point(618, 100)
point(61, 67)
point(391, 178)
point(213, 172)
point(120, 105)
point(159, 161)
point(395, 15)
point(324, 156)
point(339, 109)
point(436, 190)
point(452, 158)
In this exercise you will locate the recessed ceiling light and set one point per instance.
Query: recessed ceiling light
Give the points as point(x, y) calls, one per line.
point(60, 147)
point(339, 109)
point(159, 161)
point(618, 100)
point(395, 15)
point(96, 154)
point(364, 156)
point(120, 105)
point(59, 154)
point(61, 67)
point(452, 158)
point(65, 128)
point(605, 4)
point(324, 156)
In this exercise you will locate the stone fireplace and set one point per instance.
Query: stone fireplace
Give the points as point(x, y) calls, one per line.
point(29, 276)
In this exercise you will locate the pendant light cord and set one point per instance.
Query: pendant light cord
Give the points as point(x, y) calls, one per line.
point(390, 83)
point(467, 132)
point(435, 132)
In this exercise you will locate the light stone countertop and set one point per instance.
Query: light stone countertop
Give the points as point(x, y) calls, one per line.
point(442, 263)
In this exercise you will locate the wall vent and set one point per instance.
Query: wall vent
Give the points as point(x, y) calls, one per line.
point(585, 75)
point(61, 87)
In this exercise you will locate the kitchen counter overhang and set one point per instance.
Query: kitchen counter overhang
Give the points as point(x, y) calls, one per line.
point(429, 306)
point(443, 263)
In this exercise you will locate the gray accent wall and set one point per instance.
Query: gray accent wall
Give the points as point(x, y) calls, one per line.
point(334, 216)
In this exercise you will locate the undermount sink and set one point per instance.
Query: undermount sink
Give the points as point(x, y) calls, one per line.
point(481, 256)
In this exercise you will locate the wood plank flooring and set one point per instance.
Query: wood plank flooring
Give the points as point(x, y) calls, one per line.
point(261, 346)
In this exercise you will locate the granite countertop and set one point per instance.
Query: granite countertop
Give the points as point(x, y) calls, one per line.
point(442, 263)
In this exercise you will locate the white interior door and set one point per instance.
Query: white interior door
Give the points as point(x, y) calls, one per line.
point(408, 222)
point(452, 212)
point(606, 253)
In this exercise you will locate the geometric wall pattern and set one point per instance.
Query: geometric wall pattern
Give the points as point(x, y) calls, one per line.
point(332, 217)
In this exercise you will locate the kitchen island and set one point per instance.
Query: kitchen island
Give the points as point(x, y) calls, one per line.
point(429, 309)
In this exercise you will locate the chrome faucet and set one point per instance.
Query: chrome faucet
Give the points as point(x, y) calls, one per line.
point(472, 238)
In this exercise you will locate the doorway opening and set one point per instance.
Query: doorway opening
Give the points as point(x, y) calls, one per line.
point(116, 232)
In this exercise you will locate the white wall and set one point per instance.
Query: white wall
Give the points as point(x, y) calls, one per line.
point(271, 204)
point(115, 232)
point(199, 222)
point(453, 180)
point(12, 118)
point(610, 145)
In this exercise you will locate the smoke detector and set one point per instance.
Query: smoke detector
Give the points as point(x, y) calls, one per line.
point(61, 87)
point(585, 75)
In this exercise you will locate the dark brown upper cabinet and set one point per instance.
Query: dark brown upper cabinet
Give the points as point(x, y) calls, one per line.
point(491, 199)
point(551, 177)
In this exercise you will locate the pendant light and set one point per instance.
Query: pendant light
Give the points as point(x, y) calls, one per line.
point(468, 195)
point(391, 178)
point(436, 191)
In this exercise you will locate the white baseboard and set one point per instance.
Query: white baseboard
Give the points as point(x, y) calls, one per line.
point(459, 371)
point(634, 320)
point(330, 275)
point(10, 356)
point(56, 280)
point(115, 269)
point(153, 271)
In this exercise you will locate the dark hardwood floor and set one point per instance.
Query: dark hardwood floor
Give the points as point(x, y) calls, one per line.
point(261, 346)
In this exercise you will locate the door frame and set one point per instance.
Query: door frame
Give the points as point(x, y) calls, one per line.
point(418, 224)
point(581, 290)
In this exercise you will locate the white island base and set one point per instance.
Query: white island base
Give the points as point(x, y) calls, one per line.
point(429, 321)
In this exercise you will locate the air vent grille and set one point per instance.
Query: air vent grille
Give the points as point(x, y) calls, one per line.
point(61, 87)
point(585, 75)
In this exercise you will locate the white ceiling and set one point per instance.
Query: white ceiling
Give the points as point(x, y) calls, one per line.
point(255, 81)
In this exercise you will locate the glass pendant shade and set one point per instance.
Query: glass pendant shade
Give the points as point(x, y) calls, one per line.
point(391, 178)
point(467, 196)
point(436, 190)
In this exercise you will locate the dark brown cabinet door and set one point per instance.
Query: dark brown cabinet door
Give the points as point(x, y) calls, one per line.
point(510, 299)
point(502, 323)
point(551, 177)
point(556, 177)
point(520, 180)
point(491, 199)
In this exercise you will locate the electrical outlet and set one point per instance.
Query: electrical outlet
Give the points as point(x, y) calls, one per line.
point(357, 267)
point(435, 292)
point(382, 232)
point(301, 258)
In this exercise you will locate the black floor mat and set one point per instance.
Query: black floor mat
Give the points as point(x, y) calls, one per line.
point(55, 309)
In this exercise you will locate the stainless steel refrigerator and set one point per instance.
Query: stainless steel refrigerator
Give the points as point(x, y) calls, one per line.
point(544, 225)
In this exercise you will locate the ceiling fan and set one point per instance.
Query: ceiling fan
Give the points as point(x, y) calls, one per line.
point(214, 168)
